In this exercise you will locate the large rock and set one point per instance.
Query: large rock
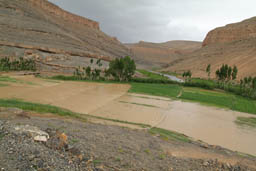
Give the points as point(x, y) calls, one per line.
point(35, 132)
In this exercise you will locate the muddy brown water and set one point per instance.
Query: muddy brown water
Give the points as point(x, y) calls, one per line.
point(209, 124)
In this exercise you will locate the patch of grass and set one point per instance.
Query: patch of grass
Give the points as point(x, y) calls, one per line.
point(95, 162)
point(202, 83)
point(209, 99)
point(36, 107)
point(165, 90)
point(166, 134)
point(162, 156)
point(147, 151)
point(246, 121)
point(73, 141)
point(144, 97)
point(118, 159)
point(8, 79)
point(220, 99)
point(3, 85)
point(139, 104)
point(13, 80)
point(152, 75)
point(246, 155)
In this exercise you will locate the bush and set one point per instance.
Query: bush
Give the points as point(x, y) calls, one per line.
point(122, 69)
point(17, 65)
point(197, 82)
point(151, 80)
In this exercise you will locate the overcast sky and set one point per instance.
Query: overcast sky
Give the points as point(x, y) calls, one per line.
point(160, 20)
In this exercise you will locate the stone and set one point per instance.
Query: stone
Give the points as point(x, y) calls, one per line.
point(33, 131)
point(40, 138)
point(206, 163)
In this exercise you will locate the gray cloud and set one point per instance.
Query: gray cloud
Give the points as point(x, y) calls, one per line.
point(160, 20)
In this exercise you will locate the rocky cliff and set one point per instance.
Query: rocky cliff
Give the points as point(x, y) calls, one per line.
point(45, 31)
point(232, 32)
point(55, 10)
point(234, 44)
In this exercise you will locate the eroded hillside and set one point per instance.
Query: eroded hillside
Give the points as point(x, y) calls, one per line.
point(157, 55)
point(41, 29)
point(234, 44)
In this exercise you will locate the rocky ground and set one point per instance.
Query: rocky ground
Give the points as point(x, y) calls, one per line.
point(34, 142)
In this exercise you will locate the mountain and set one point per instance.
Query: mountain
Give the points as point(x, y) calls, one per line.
point(233, 44)
point(157, 55)
point(41, 29)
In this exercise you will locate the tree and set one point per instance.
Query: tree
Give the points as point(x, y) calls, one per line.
point(234, 73)
point(229, 73)
point(122, 69)
point(187, 74)
point(88, 72)
point(208, 70)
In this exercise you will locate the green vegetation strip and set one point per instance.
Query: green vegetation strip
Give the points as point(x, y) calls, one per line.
point(3, 85)
point(13, 80)
point(246, 121)
point(8, 79)
point(139, 104)
point(165, 134)
point(165, 90)
point(152, 75)
point(35, 107)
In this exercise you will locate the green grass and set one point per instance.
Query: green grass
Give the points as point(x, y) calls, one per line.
point(3, 85)
point(202, 83)
point(36, 107)
point(152, 75)
point(165, 90)
point(139, 104)
point(220, 99)
point(166, 134)
point(13, 80)
point(207, 97)
point(8, 79)
point(246, 121)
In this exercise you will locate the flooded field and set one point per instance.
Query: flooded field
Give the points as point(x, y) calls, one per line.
point(212, 125)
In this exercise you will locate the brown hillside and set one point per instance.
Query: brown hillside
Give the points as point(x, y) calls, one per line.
point(234, 44)
point(150, 55)
point(44, 30)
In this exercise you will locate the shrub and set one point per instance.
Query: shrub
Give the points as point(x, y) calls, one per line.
point(20, 64)
point(122, 69)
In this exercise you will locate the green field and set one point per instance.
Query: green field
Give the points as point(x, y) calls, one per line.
point(208, 97)
point(165, 90)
